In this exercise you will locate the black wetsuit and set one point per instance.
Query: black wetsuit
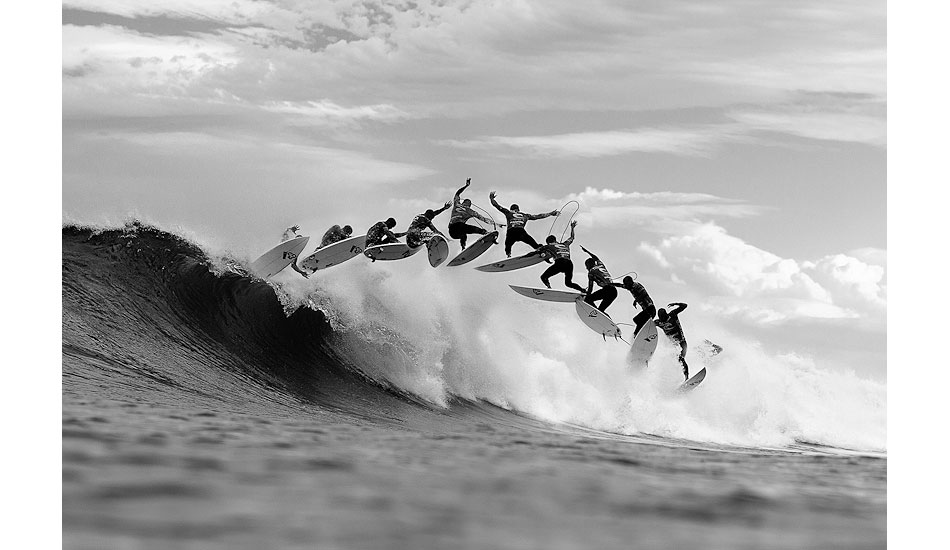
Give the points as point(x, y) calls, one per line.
point(562, 264)
point(642, 299)
point(607, 292)
point(334, 234)
point(379, 233)
point(460, 230)
point(674, 331)
point(516, 221)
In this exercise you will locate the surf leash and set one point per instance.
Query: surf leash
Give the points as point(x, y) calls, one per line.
point(560, 212)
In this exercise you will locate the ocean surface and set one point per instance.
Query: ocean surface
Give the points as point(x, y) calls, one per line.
point(395, 406)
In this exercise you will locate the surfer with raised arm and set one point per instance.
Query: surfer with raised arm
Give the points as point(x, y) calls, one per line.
point(461, 212)
point(516, 220)
point(561, 253)
point(641, 299)
point(597, 273)
point(669, 322)
point(335, 234)
point(421, 227)
point(381, 233)
point(291, 233)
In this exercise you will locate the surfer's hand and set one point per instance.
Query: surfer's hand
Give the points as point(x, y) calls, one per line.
point(574, 224)
point(468, 181)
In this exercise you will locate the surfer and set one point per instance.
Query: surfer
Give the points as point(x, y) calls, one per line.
point(291, 233)
point(335, 234)
point(641, 299)
point(461, 212)
point(381, 233)
point(561, 253)
point(597, 273)
point(669, 322)
point(516, 220)
point(421, 228)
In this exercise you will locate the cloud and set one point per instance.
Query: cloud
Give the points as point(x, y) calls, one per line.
point(698, 141)
point(328, 113)
point(745, 282)
point(662, 212)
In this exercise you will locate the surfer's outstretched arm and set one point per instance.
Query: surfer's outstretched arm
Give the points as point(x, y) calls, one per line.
point(596, 259)
point(458, 194)
point(502, 209)
point(680, 306)
point(571, 238)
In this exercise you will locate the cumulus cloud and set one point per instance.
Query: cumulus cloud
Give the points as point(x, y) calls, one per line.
point(754, 285)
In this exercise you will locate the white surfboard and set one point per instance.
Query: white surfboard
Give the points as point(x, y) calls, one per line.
point(519, 262)
point(693, 381)
point(597, 320)
point(547, 294)
point(643, 345)
point(391, 251)
point(334, 253)
point(276, 259)
point(475, 249)
point(438, 250)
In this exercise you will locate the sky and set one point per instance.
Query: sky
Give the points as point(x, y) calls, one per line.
point(733, 154)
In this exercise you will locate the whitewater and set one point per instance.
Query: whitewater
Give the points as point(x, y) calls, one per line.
point(390, 405)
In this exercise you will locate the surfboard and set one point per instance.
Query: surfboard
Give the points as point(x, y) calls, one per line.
point(438, 250)
point(547, 294)
point(512, 264)
point(693, 381)
point(276, 259)
point(334, 253)
point(597, 320)
point(643, 345)
point(391, 251)
point(475, 249)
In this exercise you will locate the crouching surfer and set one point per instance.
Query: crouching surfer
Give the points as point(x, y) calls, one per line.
point(461, 213)
point(561, 253)
point(333, 235)
point(382, 233)
point(641, 299)
point(669, 323)
point(597, 273)
point(421, 227)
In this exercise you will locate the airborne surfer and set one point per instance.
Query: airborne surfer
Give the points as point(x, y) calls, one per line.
point(597, 273)
point(421, 227)
point(381, 233)
point(641, 299)
point(291, 233)
point(561, 253)
point(335, 234)
point(516, 220)
point(669, 322)
point(461, 212)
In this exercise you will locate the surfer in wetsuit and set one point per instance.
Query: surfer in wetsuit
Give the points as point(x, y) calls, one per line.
point(381, 233)
point(421, 228)
point(597, 273)
point(516, 220)
point(641, 299)
point(669, 322)
point(561, 253)
point(335, 234)
point(461, 212)
point(291, 233)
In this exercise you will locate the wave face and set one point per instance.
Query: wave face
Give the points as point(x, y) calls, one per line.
point(157, 314)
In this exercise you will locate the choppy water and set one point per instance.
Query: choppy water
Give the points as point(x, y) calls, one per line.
point(203, 408)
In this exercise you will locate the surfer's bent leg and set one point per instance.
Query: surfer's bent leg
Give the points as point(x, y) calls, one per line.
point(643, 317)
point(607, 295)
point(682, 358)
point(568, 268)
point(549, 272)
